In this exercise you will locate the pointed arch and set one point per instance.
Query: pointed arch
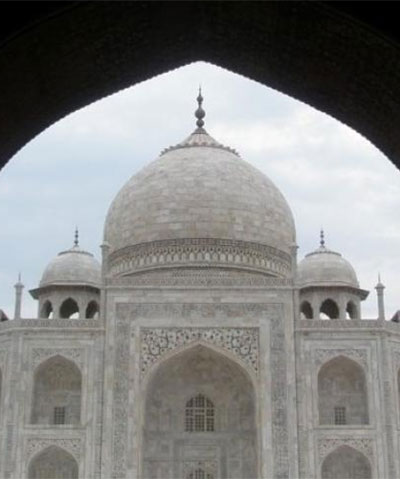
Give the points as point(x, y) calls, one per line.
point(57, 392)
point(329, 308)
point(69, 309)
point(306, 310)
point(53, 463)
point(345, 462)
point(342, 392)
point(92, 310)
point(199, 473)
point(199, 380)
point(47, 309)
point(351, 310)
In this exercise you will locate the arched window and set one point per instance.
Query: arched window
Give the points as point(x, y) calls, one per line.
point(53, 463)
point(47, 310)
point(342, 393)
point(200, 474)
point(306, 310)
point(351, 310)
point(57, 392)
point(330, 309)
point(92, 310)
point(199, 415)
point(69, 309)
point(346, 463)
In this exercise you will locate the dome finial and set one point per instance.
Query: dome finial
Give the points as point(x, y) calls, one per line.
point(322, 238)
point(76, 240)
point(200, 113)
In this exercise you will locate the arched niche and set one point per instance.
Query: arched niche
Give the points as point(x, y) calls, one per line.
point(346, 462)
point(342, 393)
point(92, 310)
point(329, 309)
point(226, 389)
point(53, 463)
point(306, 310)
point(47, 310)
point(69, 309)
point(57, 392)
point(351, 310)
point(199, 473)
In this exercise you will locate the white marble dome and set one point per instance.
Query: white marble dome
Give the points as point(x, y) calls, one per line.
point(200, 190)
point(72, 267)
point(324, 267)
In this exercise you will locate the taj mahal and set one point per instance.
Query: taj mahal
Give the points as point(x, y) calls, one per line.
point(201, 347)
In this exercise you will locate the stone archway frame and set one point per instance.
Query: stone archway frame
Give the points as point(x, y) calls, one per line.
point(323, 356)
point(364, 445)
point(34, 446)
point(251, 375)
point(129, 317)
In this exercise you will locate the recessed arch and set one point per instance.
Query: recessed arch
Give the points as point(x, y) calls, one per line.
point(351, 310)
point(92, 310)
point(342, 393)
point(306, 310)
point(223, 385)
point(345, 462)
point(47, 310)
point(57, 391)
point(69, 309)
point(329, 308)
point(53, 463)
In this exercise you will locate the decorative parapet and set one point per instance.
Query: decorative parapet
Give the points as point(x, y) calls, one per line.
point(206, 252)
point(323, 324)
point(156, 342)
point(51, 324)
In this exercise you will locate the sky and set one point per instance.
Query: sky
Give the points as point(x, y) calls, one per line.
point(331, 176)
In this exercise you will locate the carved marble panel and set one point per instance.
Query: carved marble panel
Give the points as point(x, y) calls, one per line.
point(156, 342)
point(358, 355)
point(327, 445)
point(37, 444)
point(41, 354)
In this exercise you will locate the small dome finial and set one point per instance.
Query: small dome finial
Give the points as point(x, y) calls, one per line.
point(322, 238)
point(200, 113)
point(76, 240)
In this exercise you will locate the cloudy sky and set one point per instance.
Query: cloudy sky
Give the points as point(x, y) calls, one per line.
point(330, 175)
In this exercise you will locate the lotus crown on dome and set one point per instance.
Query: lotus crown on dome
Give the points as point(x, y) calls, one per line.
point(199, 205)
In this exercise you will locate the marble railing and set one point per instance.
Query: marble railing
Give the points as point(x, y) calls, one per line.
point(51, 324)
point(370, 324)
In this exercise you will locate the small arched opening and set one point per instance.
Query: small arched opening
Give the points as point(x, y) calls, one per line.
point(342, 393)
point(329, 310)
point(306, 311)
point(69, 309)
point(57, 392)
point(199, 414)
point(47, 310)
point(346, 462)
point(351, 310)
point(199, 473)
point(53, 463)
point(92, 310)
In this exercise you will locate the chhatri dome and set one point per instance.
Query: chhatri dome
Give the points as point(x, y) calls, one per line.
point(74, 266)
point(199, 204)
point(324, 267)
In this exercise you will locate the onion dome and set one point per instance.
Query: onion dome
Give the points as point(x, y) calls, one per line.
point(199, 204)
point(73, 267)
point(324, 267)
